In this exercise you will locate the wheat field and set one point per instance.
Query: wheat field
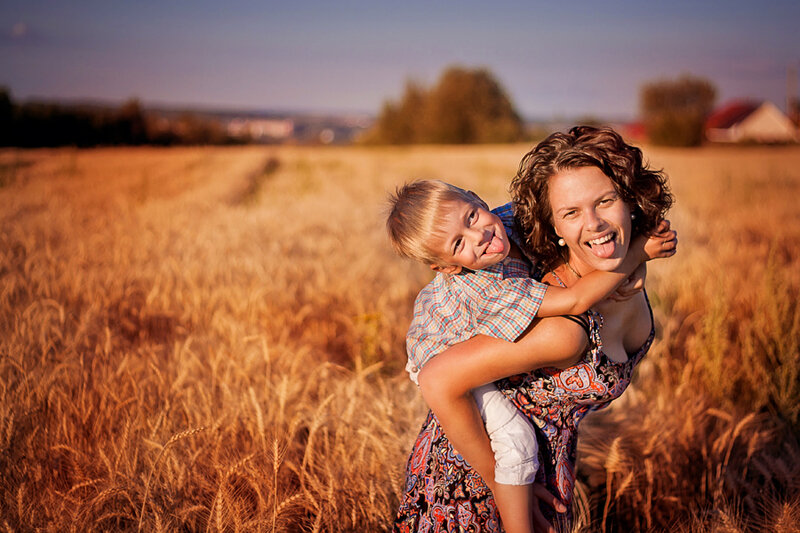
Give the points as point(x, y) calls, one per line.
point(212, 339)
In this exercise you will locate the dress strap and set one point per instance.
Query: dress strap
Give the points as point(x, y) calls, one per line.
point(582, 321)
point(560, 282)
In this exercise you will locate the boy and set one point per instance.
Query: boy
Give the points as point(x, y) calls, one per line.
point(483, 286)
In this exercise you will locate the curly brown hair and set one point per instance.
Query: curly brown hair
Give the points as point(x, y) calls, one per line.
point(645, 190)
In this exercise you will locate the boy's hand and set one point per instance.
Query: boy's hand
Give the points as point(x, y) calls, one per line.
point(662, 243)
point(632, 286)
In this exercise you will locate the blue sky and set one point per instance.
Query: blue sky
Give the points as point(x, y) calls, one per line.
point(554, 59)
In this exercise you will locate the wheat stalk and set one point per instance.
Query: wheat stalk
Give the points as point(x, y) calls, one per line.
point(175, 438)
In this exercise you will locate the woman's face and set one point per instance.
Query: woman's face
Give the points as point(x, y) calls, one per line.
point(591, 217)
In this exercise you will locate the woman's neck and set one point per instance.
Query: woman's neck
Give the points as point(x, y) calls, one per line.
point(570, 271)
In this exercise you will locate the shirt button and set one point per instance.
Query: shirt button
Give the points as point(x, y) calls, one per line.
point(414, 369)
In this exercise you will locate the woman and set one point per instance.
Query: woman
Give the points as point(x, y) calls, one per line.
point(579, 199)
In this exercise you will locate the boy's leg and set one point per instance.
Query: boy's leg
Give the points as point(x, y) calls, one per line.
point(515, 505)
point(466, 430)
point(513, 441)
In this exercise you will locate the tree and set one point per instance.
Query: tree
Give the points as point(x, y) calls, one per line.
point(6, 116)
point(130, 123)
point(465, 106)
point(674, 112)
point(399, 123)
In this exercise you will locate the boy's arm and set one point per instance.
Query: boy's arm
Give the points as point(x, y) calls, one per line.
point(447, 380)
point(632, 286)
point(597, 285)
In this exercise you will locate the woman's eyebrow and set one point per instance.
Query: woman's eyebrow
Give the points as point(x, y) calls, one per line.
point(608, 194)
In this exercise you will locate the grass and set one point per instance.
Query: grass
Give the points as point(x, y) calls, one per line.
point(211, 339)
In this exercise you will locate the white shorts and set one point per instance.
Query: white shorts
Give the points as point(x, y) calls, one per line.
point(512, 436)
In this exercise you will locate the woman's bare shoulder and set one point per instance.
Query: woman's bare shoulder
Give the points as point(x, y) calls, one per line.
point(551, 279)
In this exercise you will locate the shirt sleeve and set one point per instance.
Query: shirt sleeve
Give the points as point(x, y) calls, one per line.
point(505, 308)
point(440, 319)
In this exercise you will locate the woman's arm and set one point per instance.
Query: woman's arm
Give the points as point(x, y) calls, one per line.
point(554, 341)
point(447, 380)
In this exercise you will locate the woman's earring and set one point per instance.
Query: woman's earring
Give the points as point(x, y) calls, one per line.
point(562, 242)
point(633, 216)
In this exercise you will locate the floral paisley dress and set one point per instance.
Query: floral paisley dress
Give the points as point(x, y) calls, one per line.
point(443, 494)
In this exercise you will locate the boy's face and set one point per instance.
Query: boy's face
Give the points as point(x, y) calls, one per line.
point(471, 237)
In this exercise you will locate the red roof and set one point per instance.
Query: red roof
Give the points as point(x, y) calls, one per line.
point(731, 114)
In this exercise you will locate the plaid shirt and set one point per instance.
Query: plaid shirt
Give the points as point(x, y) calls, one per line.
point(499, 301)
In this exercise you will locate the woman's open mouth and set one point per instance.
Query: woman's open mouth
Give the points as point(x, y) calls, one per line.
point(603, 247)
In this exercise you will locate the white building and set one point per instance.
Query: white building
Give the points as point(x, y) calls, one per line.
point(261, 129)
point(751, 122)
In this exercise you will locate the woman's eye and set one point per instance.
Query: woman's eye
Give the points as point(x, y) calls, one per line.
point(472, 216)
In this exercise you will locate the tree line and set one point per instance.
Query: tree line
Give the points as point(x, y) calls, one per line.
point(470, 106)
point(36, 124)
point(465, 106)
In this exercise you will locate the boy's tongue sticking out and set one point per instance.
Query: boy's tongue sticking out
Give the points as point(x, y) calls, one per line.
point(496, 246)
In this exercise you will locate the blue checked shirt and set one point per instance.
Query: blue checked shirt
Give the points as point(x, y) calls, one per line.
point(499, 301)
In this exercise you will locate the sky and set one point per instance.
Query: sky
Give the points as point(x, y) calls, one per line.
point(554, 59)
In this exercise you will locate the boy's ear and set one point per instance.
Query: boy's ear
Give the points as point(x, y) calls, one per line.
point(446, 269)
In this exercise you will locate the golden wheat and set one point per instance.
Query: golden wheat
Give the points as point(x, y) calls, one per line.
point(249, 293)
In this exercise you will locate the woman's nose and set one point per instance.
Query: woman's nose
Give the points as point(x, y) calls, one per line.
point(592, 221)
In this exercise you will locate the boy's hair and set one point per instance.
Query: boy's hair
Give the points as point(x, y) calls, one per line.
point(415, 215)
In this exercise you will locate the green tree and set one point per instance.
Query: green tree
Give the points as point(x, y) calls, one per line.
point(399, 123)
point(674, 111)
point(465, 106)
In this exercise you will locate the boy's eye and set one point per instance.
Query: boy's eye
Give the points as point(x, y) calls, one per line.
point(457, 245)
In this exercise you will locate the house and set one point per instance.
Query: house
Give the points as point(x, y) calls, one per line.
point(261, 129)
point(747, 121)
